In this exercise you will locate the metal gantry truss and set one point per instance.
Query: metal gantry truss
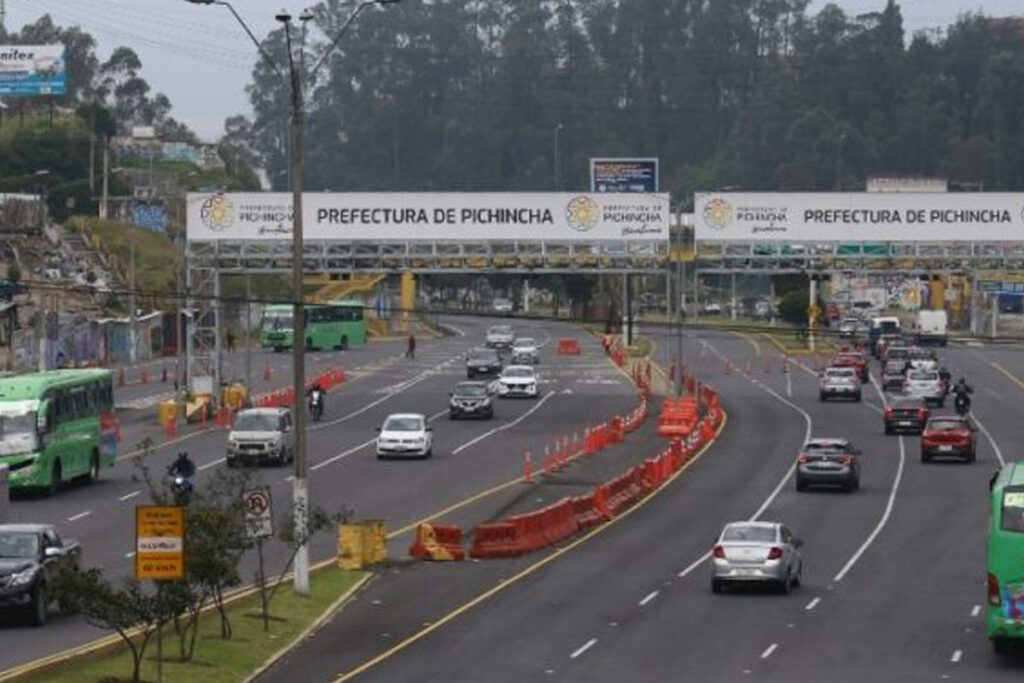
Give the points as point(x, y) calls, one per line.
point(878, 257)
point(208, 261)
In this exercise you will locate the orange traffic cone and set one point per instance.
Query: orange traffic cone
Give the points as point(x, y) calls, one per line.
point(527, 473)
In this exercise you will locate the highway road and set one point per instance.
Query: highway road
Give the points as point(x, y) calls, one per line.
point(893, 590)
point(469, 456)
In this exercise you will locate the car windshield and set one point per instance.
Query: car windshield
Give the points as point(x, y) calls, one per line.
point(500, 329)
point(840, 372)
point(924, 376)
point(18, 431)
point(945, 425)
point(483, 355)
point(519, 372)
point(757, 534)
point(1013, 509)
point(403, 424)
point(19, 544)
point(256, 422)
point(897, 352)
point(472, 390)
point(906, 403)
point(525, 342)
point(824, 446)
point(894, 367)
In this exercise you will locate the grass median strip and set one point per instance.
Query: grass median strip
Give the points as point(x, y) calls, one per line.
point(217, 660)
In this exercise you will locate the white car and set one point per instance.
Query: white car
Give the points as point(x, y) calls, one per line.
point(525, 351)
point(500, 336)
point(503, 306)
point(405, 435)
point(925, 384)
point(518, 380)
point(260, 435)
point(712, 308)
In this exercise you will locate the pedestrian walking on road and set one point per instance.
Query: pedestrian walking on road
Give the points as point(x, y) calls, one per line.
point(231, 341)
point(411, 350)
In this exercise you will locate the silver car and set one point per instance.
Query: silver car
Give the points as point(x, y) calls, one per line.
point(524, 351)
point(841, 382)
point(926, 385)
point(500, 336)
point(764, 553)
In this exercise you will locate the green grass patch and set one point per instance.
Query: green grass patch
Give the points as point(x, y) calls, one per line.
point(154, 252)
point(217, 660)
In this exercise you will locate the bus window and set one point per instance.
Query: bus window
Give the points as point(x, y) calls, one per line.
point(1013, 509)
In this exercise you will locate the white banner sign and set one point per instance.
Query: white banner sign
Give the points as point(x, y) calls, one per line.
point(861, 217)
point(477, 217)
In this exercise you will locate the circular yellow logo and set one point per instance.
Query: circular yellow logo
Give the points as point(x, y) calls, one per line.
point(717, 214)
point(583, 213)
point(217, 212)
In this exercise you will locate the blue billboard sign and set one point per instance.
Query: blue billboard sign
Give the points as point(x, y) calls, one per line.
point(149, 216)
point(623, 175)
point(27, 70)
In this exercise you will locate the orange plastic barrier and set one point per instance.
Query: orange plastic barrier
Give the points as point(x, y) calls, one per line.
point(438, 543)
point(568, 347)
point(497, 540)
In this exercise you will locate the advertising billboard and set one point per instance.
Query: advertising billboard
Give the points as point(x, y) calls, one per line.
point(624, 175)
point(410, 216)
point(860, 217)
point(32, 70)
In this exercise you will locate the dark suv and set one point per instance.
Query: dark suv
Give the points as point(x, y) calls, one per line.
point(471, 399)
point(905, 414)
point(483, 362)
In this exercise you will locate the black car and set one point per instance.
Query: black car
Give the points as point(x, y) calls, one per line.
point(905, 414)
point(471, 399)
point(483, 362)
point(30, 556)
point(828, 462)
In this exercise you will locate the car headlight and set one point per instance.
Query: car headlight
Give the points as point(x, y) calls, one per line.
point(22, 577)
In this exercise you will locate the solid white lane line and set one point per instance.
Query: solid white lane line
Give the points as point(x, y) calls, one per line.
point(789, 385)
point(976, 611)
point(993, 393)
point(130, 555)
point(812, 604)
point(129, 496)
point(696, 563)
point(769, 650)
point(956, 656)
point(991, 440)
point(583, 648)
point(883, 521)
point(80, 515)
point(505, 426)
point(650, 596)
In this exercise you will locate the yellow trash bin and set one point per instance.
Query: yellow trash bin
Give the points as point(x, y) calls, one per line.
point(350, 546)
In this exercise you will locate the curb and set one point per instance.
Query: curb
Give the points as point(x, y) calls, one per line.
point(327, 614)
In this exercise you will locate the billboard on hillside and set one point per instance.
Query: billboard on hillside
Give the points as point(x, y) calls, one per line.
point(412, 216)
point(623, 175)
point(28, 70)
point(860, 217)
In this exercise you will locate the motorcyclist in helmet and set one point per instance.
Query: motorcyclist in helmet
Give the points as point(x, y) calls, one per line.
point(183, 466)
point(962, 388)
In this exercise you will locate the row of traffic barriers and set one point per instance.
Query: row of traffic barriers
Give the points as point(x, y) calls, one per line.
point(521, 534)
point(285, 398)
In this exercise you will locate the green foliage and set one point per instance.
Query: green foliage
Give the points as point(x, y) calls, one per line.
point(756, 95)
point(154, 252)
point(793, 307)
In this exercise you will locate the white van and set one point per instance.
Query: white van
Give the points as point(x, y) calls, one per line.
point(932, 327)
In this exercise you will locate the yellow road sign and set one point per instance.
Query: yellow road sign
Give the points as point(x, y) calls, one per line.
point(159, 542)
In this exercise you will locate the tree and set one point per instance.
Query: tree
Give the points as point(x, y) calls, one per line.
point(793, 307)
point(129, 609)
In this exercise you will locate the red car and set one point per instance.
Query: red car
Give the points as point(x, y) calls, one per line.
point(950, 435)
point(851, 359)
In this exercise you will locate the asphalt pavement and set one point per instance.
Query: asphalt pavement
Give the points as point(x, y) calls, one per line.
point(469, 456)
point(894, 583)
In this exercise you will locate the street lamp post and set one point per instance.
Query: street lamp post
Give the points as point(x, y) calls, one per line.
point(556, 160)
point(300, 496)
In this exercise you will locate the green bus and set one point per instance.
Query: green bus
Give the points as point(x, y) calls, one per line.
point(56, 426)
point(1005, 619)
point(334, 325)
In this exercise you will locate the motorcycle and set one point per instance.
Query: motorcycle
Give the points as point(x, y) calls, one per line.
point(181, 488)
point(316, 405)
point(962, 404)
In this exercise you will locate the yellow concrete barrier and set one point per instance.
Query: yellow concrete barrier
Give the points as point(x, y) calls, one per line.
point(361, 544)
point(166, 412)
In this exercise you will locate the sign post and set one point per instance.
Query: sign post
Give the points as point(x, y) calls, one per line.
point(159, 555)
point(259, 524)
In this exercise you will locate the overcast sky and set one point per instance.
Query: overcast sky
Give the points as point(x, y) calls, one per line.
point(201, 58)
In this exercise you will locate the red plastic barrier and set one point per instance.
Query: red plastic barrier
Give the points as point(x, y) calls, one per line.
point(497, 540)
point(435, 542)
point(616, 431)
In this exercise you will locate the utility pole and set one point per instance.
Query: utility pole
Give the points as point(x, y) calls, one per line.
point(106, 187)
point(248, 334)
point(132, 340)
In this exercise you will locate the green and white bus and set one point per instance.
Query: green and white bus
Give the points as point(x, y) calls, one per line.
point(56, 426)
point(1005, 619)
point(335, 325)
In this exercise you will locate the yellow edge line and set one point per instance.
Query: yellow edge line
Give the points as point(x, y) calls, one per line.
point(1009, 375)
point(459, 611)
point(306, 632)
